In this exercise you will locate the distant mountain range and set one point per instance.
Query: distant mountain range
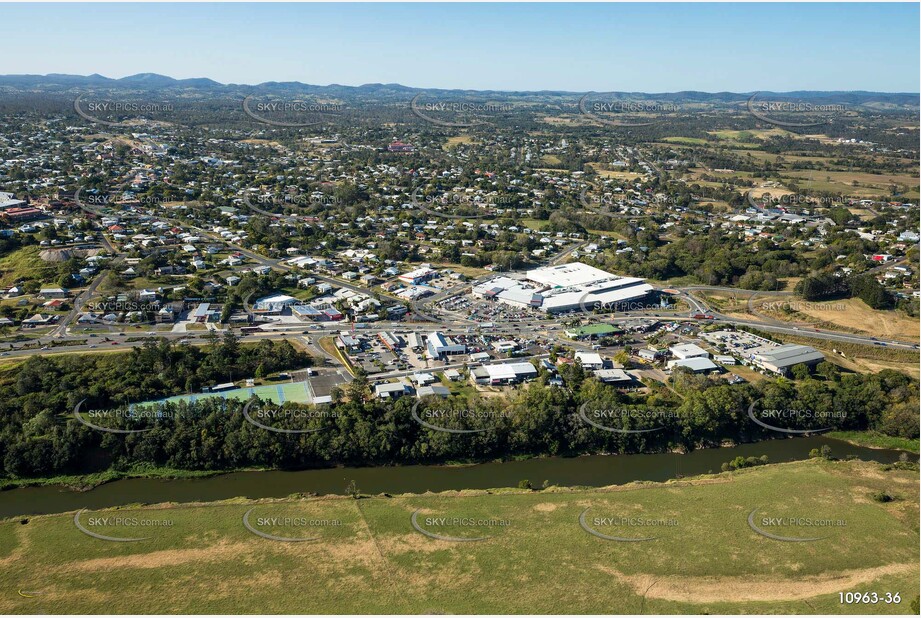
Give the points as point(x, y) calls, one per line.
point(154, 83)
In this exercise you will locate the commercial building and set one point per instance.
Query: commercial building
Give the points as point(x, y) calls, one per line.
point(204, 313)
point(615, 377)
point(696, 364)
point(391, 340)
point(590, 360)
point(567, 287)
point(275, 303)
point(438, 346)
point(348, 342)
point(432, 391)
point(509, 291)
point(417, 276)
point(503, 373)
point(391, 390)
point(574, 286)
point(688, 350)
point(781, 359)
point(415, 342)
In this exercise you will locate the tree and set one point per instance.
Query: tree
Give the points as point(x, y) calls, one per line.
point(800, 371)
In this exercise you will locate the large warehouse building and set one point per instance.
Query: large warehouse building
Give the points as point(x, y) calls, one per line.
point(782, 358)
point(567, 287)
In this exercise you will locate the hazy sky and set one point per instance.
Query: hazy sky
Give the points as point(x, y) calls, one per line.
point(576, 47)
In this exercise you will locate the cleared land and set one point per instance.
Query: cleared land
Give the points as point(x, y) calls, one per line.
point(849, 314)
point(26, 264)
point(367, 557)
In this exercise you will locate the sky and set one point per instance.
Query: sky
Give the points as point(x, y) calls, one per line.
point(654, 47)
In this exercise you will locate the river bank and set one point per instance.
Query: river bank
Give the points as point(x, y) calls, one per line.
point(585, 471)
point(872, 439)
point(702, 549)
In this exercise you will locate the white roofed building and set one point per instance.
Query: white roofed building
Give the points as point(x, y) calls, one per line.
point(781, 359)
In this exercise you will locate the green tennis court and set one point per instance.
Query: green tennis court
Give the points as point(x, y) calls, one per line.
point(297, 392)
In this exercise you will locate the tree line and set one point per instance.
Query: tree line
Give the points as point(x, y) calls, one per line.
point(40, 436)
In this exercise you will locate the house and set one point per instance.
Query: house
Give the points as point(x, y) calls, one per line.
point(53, 293)
point(649, 355)
point(165, 315)
point(39, 319)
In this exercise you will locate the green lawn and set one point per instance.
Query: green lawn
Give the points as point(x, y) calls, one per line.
point(368, 558)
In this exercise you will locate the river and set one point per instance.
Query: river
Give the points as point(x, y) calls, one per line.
point(595, 470)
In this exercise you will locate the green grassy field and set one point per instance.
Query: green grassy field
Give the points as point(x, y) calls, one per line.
point(368, 557)
point(26, 264)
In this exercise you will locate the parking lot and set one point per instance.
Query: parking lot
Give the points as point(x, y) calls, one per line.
point(483, 310)
point(739, 343)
